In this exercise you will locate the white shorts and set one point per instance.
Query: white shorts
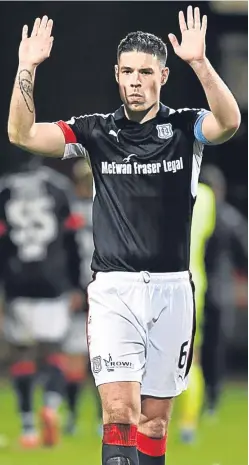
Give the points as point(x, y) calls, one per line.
point(30, 320)
point(75, 341)
point(141, 328)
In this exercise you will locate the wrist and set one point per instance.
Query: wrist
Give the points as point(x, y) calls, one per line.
point(25, 65)
point(197, 64)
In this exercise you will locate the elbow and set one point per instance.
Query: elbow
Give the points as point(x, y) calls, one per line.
point(13, 136)
point(235, 122)
point(232, 126)
point(15, 139)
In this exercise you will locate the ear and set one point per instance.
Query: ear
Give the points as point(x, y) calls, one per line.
point(116, 72)
point(164, 76)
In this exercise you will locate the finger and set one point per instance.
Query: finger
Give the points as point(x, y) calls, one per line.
point(36, 27)
point(173, 40)
point(43, 25)
point(182, 22)
point(49, 27)
point(190, 18)
point(24, 32)
point(197, 23)
point(204, 25)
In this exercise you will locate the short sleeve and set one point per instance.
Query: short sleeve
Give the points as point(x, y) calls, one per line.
point(77, 132)
point(195, 120)
point(192, 119)
point(198, 120)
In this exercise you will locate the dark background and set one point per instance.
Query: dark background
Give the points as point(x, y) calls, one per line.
point(78, 77)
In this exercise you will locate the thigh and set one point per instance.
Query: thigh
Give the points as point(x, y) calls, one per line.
point(20, 353)
point(170, 344)
point(120, 402)
point(116, 341)
point(50, 353)
point(47, 348)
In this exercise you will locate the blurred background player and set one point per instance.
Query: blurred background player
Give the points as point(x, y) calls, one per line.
point(75, 345)
point(227, 251)
point(203, 225)
point(39, 268)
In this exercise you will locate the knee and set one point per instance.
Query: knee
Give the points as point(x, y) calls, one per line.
point(154, 428)
point(118, 412)
point(51, 355)
point(155, 417)
point(22, 354)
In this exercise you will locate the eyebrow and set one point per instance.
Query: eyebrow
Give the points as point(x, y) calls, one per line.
point(128, 68)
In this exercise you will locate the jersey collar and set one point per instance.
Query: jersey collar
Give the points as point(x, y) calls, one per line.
point(120, 114)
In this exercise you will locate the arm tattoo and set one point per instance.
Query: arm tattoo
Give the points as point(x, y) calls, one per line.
point(26, 88)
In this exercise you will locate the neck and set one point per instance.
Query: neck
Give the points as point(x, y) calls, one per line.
point(142, 116)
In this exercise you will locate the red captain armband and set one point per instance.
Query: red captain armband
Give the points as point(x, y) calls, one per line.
point(69, 135)
point(74, 222)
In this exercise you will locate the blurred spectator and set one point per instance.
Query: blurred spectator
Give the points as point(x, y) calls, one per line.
point(227, 250)
point(39, 267)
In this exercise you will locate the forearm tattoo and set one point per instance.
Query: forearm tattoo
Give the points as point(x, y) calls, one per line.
point(26, 88)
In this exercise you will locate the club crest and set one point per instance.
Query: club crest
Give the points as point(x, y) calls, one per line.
point(164, 131)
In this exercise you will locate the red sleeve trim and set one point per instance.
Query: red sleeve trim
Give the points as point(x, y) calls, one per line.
point(70, 137)
point(75, 222)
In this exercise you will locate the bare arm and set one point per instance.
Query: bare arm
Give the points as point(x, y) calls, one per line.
point(41, 138)
point(224, 119)
point(223, 122)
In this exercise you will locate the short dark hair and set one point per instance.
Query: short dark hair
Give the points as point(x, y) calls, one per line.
point(143, 42)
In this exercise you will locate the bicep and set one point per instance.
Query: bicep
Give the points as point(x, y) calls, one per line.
point(45, 139)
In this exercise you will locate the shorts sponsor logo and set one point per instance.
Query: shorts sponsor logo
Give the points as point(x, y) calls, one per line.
point(96, 364)
point(112, 365)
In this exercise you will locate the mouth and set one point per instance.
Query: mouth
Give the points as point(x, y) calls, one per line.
point(136, 96)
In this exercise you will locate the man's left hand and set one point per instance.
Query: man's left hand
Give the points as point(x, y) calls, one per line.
point(193, 46)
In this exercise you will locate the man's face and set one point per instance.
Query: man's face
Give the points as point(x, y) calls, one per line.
point(140, 77)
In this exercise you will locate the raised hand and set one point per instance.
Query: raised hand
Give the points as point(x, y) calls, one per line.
point(193, 45)
point(36, 48)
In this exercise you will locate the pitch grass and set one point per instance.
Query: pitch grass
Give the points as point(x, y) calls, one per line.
point(220, 441)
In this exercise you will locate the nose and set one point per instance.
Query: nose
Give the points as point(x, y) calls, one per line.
point(135, 82)
point(136, 85)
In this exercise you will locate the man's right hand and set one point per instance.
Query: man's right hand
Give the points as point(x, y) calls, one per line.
point(35, 49)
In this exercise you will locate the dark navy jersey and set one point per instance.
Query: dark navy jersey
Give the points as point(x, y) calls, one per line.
point(145, 178)
point(38, 252)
